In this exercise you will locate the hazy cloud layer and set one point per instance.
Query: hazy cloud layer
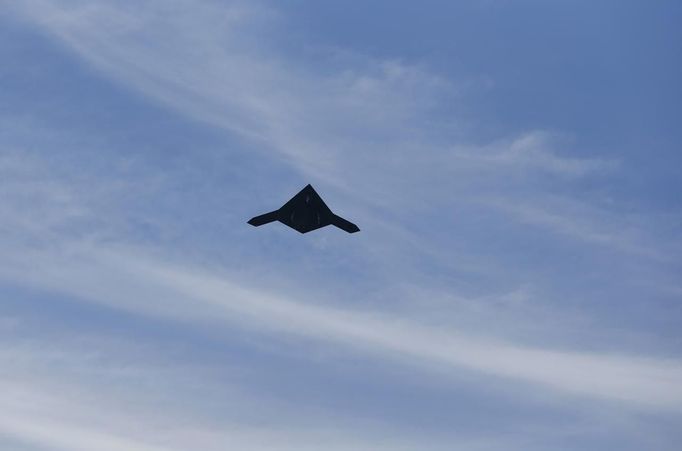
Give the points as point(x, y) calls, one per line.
point(503, 292)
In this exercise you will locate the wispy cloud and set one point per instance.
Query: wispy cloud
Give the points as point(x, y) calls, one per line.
point(369, 130)
point(530, 152)
point(580, 222)
point(358, 124)
point(106, 402)
point(132, 282)
point(350, 121)
point(201, 61)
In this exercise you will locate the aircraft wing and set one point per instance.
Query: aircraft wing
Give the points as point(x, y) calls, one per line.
point(264, 219)
point(342, 224)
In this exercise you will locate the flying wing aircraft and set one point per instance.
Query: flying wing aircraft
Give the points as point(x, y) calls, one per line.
point(306, 211)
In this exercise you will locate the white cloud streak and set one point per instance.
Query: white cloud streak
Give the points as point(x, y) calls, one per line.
point(579, 222)
point(360, 125)
point(527, 153)
point(96, 391)
point(199, 60)
point(365, 126)
point(340, 123)
point(132, 282)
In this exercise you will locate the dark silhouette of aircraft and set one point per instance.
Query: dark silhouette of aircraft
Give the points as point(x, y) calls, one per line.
point(306, 211)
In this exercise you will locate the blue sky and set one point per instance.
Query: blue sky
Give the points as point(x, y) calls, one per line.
point(513, 165)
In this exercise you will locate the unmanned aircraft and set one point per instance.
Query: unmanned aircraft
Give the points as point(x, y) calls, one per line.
point(305, 212)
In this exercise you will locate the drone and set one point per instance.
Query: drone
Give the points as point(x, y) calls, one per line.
point(305, 212)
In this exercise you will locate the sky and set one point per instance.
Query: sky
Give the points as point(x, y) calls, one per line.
point(513, 166)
